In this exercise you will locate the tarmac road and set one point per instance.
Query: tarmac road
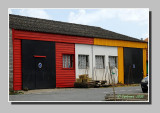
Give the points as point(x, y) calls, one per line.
point(72, 94)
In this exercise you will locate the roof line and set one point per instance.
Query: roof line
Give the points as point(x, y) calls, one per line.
point(58, 27)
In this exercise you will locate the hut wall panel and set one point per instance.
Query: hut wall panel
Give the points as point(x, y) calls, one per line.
point(119, 43)
point(64, 77)
point(52, 37)
point(17, 65)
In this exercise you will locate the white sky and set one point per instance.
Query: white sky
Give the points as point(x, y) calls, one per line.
point(132, 22)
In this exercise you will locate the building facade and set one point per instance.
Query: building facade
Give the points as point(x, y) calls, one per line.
point(51, 54)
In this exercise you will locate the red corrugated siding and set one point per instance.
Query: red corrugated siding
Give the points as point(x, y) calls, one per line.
point(17, 68)
point(64, 77)
point(52, 37)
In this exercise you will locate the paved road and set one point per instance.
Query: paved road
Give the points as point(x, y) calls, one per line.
point(72, 94)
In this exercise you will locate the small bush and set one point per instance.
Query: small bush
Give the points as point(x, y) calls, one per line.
point(80, 85)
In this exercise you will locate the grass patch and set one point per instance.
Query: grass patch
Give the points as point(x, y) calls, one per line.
point(119, 85)
point(15, 93)
point(126, 85)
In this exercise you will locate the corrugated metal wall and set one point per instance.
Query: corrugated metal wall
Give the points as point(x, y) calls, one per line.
point(120, 65)
point(52, 37)
point(64, 77)
point(92, 51)
point(84, 49)
point(120, 44)
point(17, 62)
point(64, 45)
point(144, 63)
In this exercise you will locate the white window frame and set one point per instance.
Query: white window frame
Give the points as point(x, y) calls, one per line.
point(116, 61)
point(83, 64)
point(97, 63)
point(69, 60)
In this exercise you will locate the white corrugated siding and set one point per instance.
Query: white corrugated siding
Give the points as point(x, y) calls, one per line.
point(92, 51)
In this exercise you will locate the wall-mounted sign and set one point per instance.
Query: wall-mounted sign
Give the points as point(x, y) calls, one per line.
point(39, 65)
point(134, 66)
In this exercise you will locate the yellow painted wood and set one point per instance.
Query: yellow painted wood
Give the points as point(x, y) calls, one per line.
point(119, 43)
point(144, 63)
point(120, 65)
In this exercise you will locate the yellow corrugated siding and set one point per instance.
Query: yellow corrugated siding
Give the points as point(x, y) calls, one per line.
point(120, 65)
point(144, 62)
point(119, 43)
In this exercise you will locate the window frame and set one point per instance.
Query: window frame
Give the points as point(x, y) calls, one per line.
point(71, 61)
point(87, 64)
point(116, 58)
point(103, 61)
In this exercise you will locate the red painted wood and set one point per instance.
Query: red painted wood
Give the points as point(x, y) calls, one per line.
point(17, 62)
point(52, 37)
point(39, 56)
point(64, 77)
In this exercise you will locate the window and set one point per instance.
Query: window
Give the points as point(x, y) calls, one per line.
point(100, 62)
point(83, 61)
point(113, 61)
point(67, 61)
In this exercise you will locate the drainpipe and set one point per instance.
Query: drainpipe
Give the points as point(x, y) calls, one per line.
point(92, 64)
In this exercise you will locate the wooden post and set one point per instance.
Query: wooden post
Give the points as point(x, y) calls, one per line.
point(113, 84)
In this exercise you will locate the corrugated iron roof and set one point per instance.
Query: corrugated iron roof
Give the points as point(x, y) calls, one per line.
point(57, 27)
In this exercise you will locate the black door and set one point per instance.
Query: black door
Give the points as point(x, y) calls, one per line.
point(133, 65)
point(40, 73)
point(38, 64)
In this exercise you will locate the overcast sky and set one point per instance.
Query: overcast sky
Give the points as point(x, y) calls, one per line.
point(131, 22)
